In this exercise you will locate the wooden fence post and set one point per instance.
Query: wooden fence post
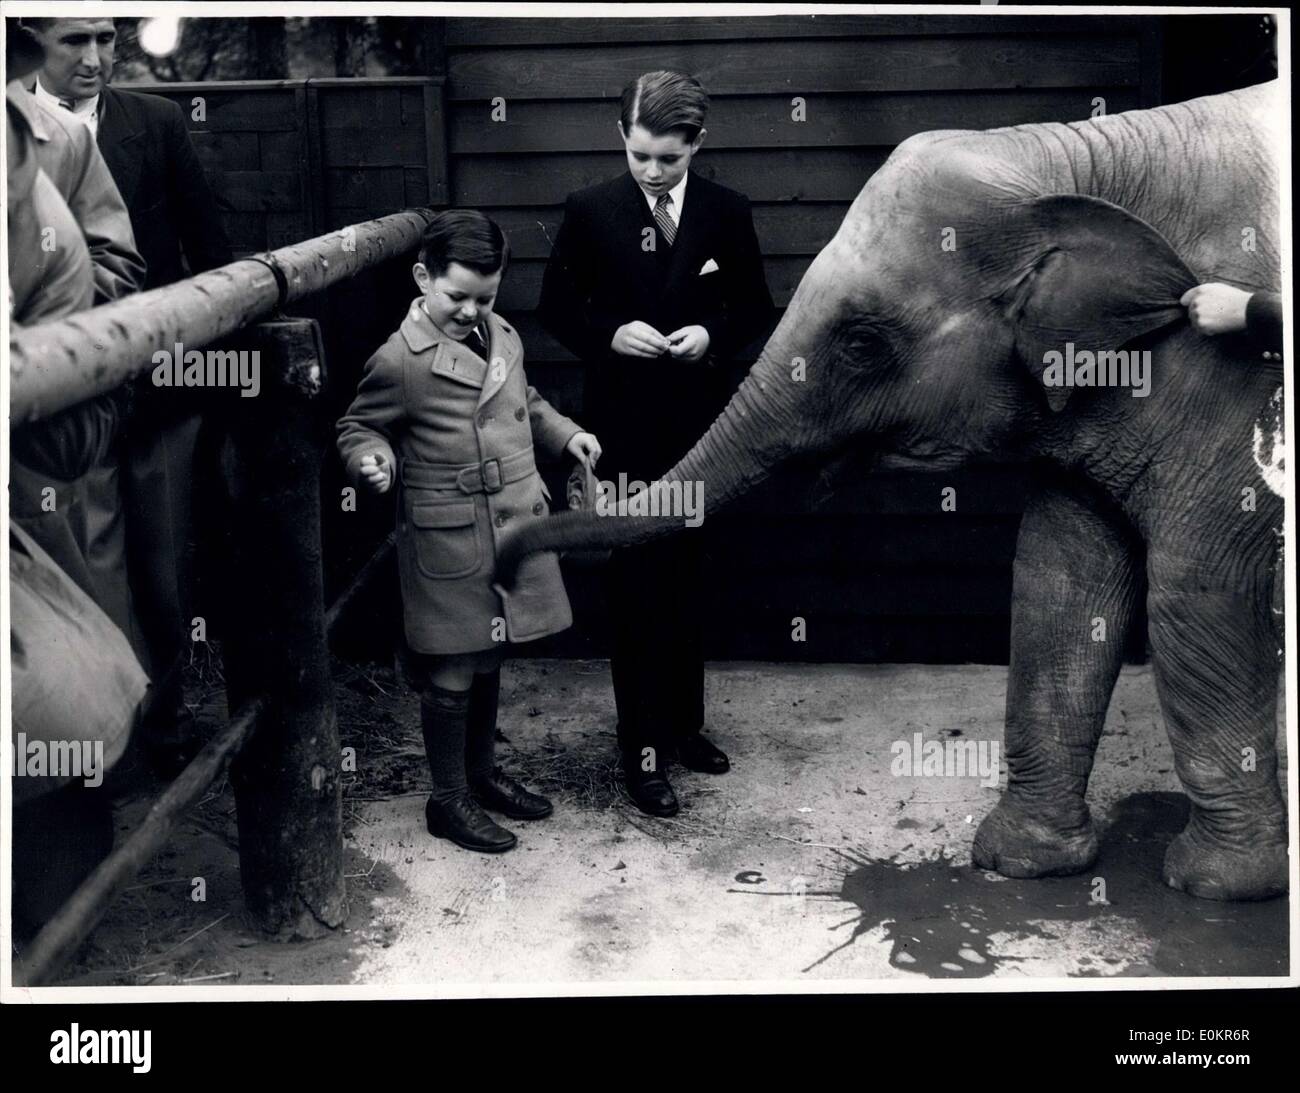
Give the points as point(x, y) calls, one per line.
point(288, 792)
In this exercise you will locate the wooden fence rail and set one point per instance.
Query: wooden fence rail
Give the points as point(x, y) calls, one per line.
point(57, 365)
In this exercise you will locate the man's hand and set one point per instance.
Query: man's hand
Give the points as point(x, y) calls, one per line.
point(584, 447)
point(1216, 308)
point(638, 339)
point(689, 343)
point(376, 471)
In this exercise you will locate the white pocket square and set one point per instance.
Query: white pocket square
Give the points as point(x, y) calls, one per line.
point(709, 267)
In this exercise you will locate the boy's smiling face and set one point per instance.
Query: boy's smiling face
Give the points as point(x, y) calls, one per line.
point(658, 163)
point(459, 298)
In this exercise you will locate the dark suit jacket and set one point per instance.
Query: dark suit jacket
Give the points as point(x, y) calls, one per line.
point(600, 276)
point(152, 160)
point(1264, 321)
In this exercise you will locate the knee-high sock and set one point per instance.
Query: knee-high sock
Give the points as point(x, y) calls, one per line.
point(480, 740)
point(443, 716)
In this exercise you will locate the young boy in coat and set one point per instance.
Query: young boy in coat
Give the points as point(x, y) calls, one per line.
point(655, 280)
point(444, 412)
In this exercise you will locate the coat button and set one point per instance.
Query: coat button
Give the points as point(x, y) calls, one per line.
point(520, 413)
point(501, 519)
point(538, 509)
point(483, 419)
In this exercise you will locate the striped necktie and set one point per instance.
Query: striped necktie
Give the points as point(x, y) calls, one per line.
point(664, 218)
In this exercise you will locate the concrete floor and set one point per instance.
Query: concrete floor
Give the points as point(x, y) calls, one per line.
point(809, 861)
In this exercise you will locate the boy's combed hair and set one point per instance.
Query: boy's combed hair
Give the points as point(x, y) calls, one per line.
point(665, 102)
point(465, 236)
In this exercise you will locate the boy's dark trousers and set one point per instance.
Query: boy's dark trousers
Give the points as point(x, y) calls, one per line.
point(657, 659)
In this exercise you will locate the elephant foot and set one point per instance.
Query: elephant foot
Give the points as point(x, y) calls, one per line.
point(1016, 843)
point(1210, 871)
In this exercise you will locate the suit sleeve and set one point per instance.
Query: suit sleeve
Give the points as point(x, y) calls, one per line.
point(95, 201)
point(370, 426)
point(1264, 321)
point(203, 239)
point(747, 304)
point(565, 308)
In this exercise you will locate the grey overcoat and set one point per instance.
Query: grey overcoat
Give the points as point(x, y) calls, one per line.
point(461, 432)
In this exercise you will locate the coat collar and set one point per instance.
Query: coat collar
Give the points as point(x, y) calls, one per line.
point(27, 107)
point(117, 129)
point(674, 263)
point(457, 361)
point(116, 123)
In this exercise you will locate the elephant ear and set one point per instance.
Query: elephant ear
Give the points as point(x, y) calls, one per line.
point(1099, 278)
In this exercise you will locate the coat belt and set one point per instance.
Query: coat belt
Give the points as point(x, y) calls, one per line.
point(490, 476)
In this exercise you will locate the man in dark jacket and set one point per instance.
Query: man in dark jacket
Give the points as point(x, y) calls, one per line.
point(655, 280)
point(178, 231)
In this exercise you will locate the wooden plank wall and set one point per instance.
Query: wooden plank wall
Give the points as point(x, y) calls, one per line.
point(289, 159)
point(873, 565)
point(875, 568)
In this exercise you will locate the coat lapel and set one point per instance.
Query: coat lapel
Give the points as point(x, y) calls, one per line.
point(634, 219)
point(118, 139)
point(504, 354)
point(450, 359)
point(687, 244)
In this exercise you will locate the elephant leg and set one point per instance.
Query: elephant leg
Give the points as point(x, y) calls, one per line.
point(1215, 658)
point(1078, 579)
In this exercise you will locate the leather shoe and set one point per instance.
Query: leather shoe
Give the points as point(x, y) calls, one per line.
point(650, 790)
point(467, 825)
point(696, 753)
point(497, 790)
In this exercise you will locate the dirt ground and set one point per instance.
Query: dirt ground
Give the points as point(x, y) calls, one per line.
point(810, 861)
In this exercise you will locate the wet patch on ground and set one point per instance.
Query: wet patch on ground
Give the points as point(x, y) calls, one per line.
point(945, 920)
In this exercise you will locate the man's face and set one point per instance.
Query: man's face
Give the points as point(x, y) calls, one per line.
point(78, 56)
point(459, 298)
point(658, 163)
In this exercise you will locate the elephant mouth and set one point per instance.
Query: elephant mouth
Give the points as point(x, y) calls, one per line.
point(938, 460)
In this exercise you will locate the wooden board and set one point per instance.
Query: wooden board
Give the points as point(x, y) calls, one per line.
point(482, 33)
point(766, 121)
point(764, 68)
point(781, 175)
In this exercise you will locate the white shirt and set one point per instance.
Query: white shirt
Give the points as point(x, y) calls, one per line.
point(678, 195)
point(85, 111)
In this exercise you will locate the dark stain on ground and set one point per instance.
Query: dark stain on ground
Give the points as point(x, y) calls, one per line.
point(939, 917)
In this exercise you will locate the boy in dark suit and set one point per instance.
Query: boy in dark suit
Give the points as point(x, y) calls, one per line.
point(654, 281)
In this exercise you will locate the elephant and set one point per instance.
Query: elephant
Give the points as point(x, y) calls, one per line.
point(930, 333)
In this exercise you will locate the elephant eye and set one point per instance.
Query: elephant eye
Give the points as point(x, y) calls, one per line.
point(864, 342)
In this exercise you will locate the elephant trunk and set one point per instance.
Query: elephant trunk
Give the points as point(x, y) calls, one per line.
point(744, 445)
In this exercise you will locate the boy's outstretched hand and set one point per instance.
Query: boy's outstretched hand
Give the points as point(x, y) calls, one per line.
point(584, 447)
point(378, 472)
